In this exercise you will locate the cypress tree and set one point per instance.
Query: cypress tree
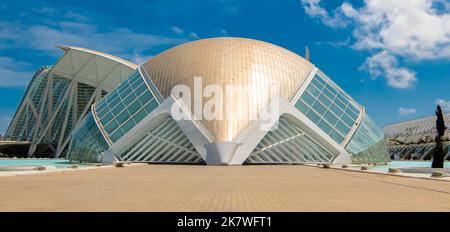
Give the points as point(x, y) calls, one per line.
point(438, 154)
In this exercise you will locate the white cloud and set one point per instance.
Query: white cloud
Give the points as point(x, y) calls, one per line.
point(177, 30)
point(414, 30)
point(313, 9)
point(445, 104)
point(406, 111)
point(14, 73)
point(384, 64)
point(221, 32)
point(417, 30)
point(76, 16)
point(45, 10)
point(139, 58)
point(336, 44)
point(194, 35)
point(114, 41)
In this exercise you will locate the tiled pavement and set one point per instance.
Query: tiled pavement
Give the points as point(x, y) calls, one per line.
point(206, 188)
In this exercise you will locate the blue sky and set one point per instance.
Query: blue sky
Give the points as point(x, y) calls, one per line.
point(391, 57)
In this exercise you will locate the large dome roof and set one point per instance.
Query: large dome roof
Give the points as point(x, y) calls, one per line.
point(256, 67)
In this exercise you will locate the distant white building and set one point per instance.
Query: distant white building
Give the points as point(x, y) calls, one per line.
point(415, 139)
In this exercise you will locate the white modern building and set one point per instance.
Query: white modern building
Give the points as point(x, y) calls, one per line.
point(315, 120)
point(57, 99)
point(415, 139)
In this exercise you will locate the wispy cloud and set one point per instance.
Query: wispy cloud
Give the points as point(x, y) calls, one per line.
point(386, 65)
point(406, 111)
point(76, 16)
point(139, 58)
point(185, 33)
point(336, 44)
point(221, 32)
point(193, 35)
point(45, 10)
point(115, 40)
point(229, 6)
point(392, 29)
point(52, 26)
point(14, 73)
point(445, 104)
point(315, 10)
point(177, 30)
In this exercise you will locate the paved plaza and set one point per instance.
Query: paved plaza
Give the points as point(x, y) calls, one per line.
point(220, 188)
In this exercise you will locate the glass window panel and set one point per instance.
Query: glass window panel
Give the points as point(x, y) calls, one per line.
point(340, 104)
point(313, 116)
point(151, 106)
point(328, 94)
point(134, 78)
point(313, 90)
point(302, 107)
point(330, 118)
point(325, 127)
point(140, 115)
point(122, 117)
point(341, 127)
point(315, 82)
point(112, 96)
point(319, 108)
point(120, 106)
point(116, 135)
point(308, 99)
point(111, 126)
point(351, 114)
point(354, 109)
point(123, 86)
point(102, 112)
point(137, 83)
point(128, 125)
point(129, 99)
point(100, 106)
point(107, 118)
point(141, 89)
point(319, 79)
point(332, 90)
point(87, 143)
point(146, 97)
point(124, 94)
point(342, 98)
point(325, 101)
point(347, 120)
point(336, 137)
point(134, 107)
point(336, 110)
point(114, 102)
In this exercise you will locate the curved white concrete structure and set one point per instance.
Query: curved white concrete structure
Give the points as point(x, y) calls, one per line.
point(308, 120)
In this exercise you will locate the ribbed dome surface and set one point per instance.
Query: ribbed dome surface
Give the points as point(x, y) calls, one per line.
point(254, 68)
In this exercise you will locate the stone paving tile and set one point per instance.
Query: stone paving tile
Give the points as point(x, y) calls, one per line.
point(235, 188)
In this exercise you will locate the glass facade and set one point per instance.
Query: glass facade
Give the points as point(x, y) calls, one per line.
point(26, 124)
point(126, 106)
point(368, 143)
point(329, 107)
point(87, 144)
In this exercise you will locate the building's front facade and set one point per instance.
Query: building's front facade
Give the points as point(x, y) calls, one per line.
point(415, 139)
point(312, 120)
point(57, 99)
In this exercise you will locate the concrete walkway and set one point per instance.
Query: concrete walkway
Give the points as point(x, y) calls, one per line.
point(202, 188)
